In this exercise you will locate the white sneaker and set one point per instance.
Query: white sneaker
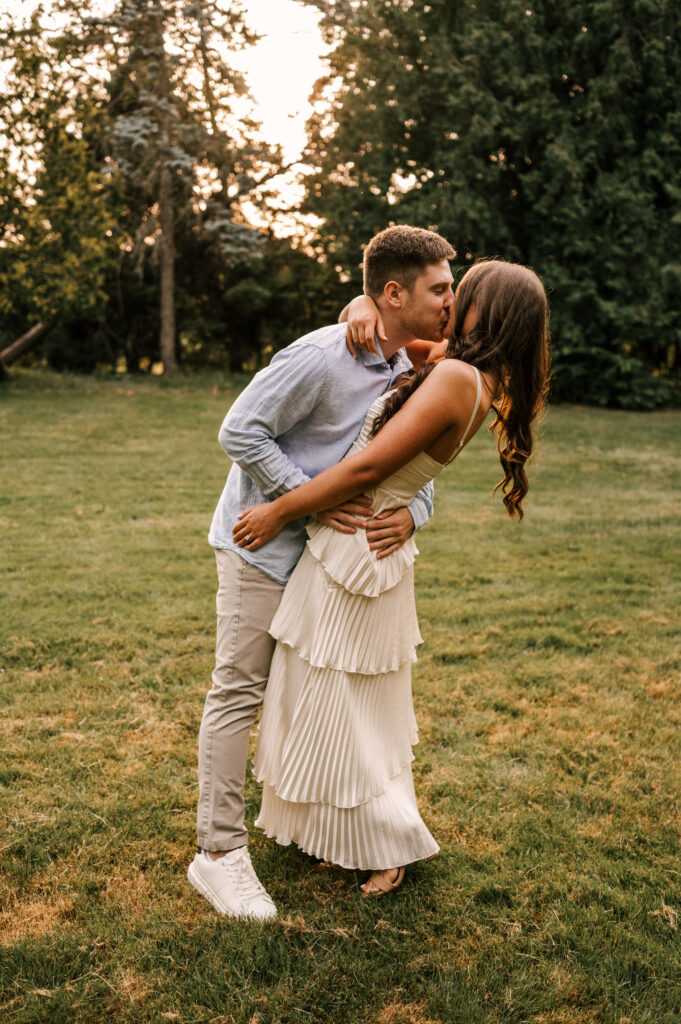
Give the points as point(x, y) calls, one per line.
point(231, 885)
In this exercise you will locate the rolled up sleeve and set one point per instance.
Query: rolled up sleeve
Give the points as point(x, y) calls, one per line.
point(277, 398)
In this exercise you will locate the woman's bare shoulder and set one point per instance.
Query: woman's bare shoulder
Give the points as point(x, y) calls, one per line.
point(450, 386)
point(456, 373)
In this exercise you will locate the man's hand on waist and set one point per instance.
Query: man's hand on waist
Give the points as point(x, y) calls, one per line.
point(388, 531)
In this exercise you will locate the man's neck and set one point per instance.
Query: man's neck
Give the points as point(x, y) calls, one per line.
point(396, 333)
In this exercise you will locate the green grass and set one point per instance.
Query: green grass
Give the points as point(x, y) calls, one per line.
point(549, 696)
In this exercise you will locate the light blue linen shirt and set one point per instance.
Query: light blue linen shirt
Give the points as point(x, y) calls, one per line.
point(296, 418)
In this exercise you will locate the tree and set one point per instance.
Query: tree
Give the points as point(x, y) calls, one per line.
point(242, 316)
point(174, 134)
point(132, 109)
point(543, 132)
point(56, 227)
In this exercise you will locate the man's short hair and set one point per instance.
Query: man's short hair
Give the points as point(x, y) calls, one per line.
point(400, 254)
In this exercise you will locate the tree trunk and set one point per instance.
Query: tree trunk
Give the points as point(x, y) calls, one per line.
point(207, 88)
point(166, 207)
point(167, 254)
point(21, 345)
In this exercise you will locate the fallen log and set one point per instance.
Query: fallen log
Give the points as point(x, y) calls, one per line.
point(10, 354)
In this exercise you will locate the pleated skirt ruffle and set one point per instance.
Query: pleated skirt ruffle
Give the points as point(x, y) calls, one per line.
point(333, 737)
point(336, 629)
point(334, 750)
point(346, 558)
point(385, 832)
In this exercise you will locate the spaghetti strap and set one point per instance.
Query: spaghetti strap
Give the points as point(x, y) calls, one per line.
point(471, 420)
point(475, 409)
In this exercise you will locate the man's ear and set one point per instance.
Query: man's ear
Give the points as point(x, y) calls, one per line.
point(393, 293)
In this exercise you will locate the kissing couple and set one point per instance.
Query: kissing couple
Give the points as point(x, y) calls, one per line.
point(334, 453)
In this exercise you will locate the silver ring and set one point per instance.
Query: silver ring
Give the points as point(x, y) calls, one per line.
point(247, 537)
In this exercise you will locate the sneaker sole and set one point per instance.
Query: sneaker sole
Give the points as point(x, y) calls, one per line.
point(208, 894)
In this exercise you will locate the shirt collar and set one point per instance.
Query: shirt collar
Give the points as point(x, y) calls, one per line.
point(399, 362)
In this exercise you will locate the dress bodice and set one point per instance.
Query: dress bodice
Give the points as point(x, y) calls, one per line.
point(346, 558)
point(401, 487)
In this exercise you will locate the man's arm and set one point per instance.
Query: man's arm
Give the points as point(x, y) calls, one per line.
point(421, 507)
point(277, 398)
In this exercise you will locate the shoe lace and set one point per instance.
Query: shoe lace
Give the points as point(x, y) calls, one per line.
point(244, 875)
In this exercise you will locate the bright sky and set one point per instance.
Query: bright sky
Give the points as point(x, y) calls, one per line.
point(281, 70)
point(283, 67)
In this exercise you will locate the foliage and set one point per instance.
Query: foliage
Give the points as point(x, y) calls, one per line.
point(130, 111)
point(170, 95)
point(546, 133)
point(547, 694)
point(244, 314)
point(57, 227)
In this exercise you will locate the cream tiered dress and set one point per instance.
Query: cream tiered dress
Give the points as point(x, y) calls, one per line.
point(335, 745)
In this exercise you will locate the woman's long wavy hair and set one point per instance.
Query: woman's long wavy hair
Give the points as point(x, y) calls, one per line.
point(510, 339)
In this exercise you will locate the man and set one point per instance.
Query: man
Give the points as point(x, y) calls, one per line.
point(297, 417)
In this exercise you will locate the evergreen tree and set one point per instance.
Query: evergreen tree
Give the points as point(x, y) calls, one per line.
point(131, 114)
point(174, 135)
point(241, 316)
point(542, 132)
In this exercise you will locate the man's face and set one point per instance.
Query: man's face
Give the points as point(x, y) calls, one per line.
point(427, 307)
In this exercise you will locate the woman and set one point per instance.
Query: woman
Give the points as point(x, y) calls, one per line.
point(334, 752)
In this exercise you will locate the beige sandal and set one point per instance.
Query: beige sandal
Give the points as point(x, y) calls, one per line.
point(378, 885)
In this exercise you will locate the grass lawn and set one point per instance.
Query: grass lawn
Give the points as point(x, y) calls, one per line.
point(548, 692)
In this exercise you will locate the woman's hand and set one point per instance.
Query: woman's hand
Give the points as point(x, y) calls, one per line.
point(364, 321)
point(257, 525)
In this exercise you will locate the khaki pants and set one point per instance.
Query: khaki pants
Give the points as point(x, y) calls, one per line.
point(246, 603)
